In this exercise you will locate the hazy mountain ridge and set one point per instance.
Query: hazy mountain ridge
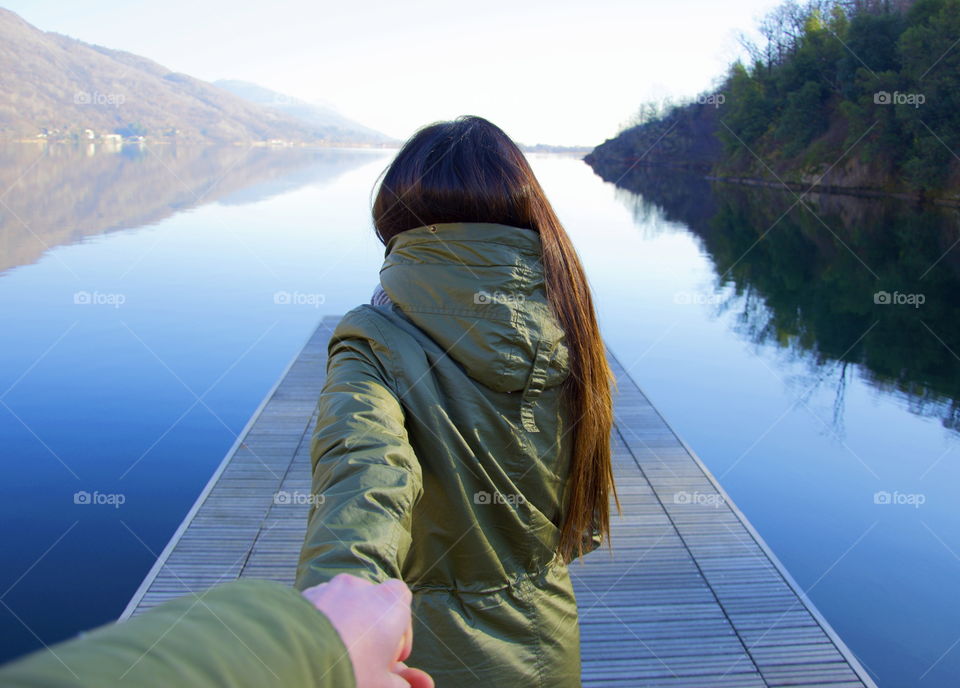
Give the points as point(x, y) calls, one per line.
point(61, 86)
point(318, 115)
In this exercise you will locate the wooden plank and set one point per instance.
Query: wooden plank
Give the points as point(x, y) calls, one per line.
point(689, 596)
point(752, 588)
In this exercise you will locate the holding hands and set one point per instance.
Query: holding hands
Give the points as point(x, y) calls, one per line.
point(374, 622)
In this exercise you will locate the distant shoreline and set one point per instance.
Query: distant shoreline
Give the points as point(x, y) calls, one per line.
point(705, 172)
point(116, 146)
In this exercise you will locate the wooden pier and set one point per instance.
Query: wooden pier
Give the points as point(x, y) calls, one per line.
point(692, 596)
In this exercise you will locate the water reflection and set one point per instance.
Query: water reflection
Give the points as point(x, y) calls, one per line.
point(839, 282)
point(145, 398)
point(61, 194)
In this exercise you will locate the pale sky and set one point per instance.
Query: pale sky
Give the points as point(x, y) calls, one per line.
point(546, 71)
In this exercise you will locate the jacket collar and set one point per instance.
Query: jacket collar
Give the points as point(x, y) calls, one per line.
point(477, 289)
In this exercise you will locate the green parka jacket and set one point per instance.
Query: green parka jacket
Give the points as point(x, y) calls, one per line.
point(441, 456)
point(243, 634)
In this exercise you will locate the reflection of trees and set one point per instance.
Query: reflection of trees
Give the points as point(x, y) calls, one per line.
point(805, 279)
point(60, 195)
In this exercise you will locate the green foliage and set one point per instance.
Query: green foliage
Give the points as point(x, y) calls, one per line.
point(868, 68)
point(872, 43)
point(748, 111)
point(867, 91)
point(879, 81)
point(931, 68)
point(803, 117)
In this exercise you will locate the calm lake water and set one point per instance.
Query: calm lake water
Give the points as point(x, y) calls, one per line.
point(807, 352)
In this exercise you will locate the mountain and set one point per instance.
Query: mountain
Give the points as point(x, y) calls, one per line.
point(321, 116)
point(61, 86)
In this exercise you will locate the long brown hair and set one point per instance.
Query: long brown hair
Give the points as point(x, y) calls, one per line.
point(469, 170)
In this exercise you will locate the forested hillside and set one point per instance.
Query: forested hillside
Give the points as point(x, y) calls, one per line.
point(853, 95)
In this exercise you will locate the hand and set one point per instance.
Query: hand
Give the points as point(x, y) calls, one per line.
point(374, 623)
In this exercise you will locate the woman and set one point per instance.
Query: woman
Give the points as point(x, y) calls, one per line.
point(463, 438)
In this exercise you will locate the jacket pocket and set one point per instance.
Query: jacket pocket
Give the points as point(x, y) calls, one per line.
point(475, 639)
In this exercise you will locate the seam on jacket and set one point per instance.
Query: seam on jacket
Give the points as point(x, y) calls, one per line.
point(501, 366)
point(404, 260)
point(391, 366)
point(516, 582)
point(396, 375)
point(394, 388)
point(395, 371)
point(536, 383)
point(515, 319)
point(538, 626)
point(395, 546)
point(519, 244)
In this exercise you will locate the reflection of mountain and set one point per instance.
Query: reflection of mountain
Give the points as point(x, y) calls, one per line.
point(57, 195)
point(327, 165)
point(807, 279)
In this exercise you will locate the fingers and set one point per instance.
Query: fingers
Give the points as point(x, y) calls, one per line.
point(349, 581)
point(404, 645)
point(315, 591)
point(391, 681)
point(396, 617)
point(407, 647)
point(398, 588)
point(415, 678)
point(375, 623)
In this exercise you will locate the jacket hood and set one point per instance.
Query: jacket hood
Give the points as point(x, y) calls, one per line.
point(477, 289)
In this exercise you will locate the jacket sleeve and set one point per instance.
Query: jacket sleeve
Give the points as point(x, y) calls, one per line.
point(241, 634)
point(366, 476)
